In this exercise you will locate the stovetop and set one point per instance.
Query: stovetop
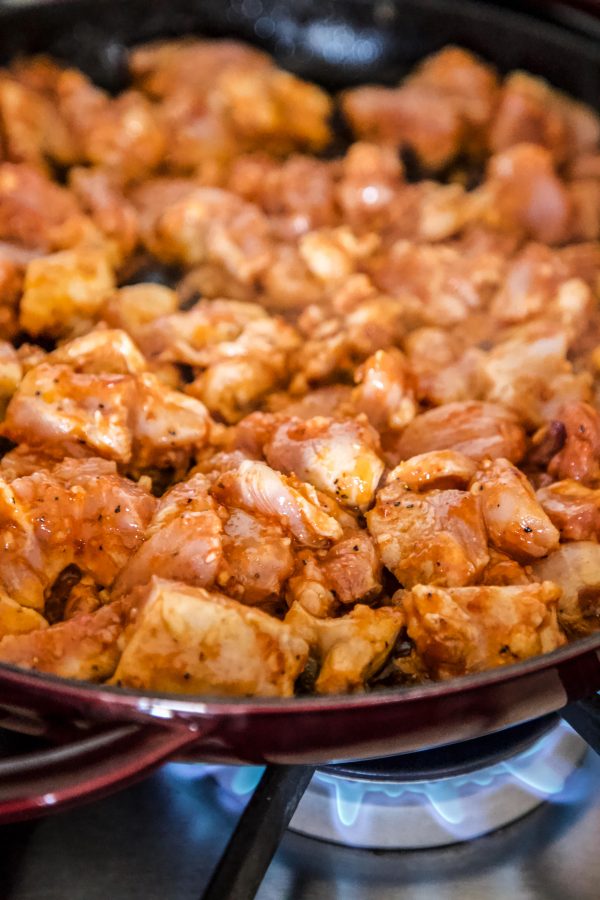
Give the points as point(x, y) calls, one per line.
point(159, 840)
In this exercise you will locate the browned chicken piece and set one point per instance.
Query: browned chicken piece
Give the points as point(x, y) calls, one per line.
point(371, 178)
point(572, 508)
point(530, 374)
point(101, 197)
point(333, 400)
point(479, 430)
point(32, 206)
point(386, 390)
point(307, 587)
point(194, 641)
point(83, 597)
point(122, 417)
point(436, 470)
point(17, 619)
point(443, 370)
point(33, 131)
point(122, 134)
point(438, 111)
point(579, 457)
point(136, 306)
point(333, 255)
point(10, 374)
point(297, 194)
point(432, 538)
point(213, 225)
point(257, 488)
point(79, 513)
point(182, 542)
point(503, 570)
point(340, 458)
point(287, 283)
point(352, 568)
point(257, 558)
point(241, 372)
point(515, 521)
point(445, 286)
point(84, 647)
point(350, 649)
point(102, 350)
point(530, 111)
point(575, 569)
point(161, 68)
point(523, 193)
point(64, 292)
point(467, 629)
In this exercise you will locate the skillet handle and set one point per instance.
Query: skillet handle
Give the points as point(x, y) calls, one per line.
point(34, 784)
point(584, 718)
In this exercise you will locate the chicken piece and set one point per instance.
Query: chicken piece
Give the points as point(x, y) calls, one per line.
point(386, 390)
point(530, 374)
point(308, 589)
point(579, 456)
point(437, 470)
point(257, 102)
point(122, 134)
point(84, 647)
point(100, 195)
point(257, 488)
point(17, 619)
point(22, 460)
point(100, 351)
point(432, 538)
point(64, 292)
point(83, 597)
point(258, 558)
point(530, 111)
point(350, 649)
point(333, 401)
point(240, 373)
point(437, 112)
point(479, 430)
point(352, 568)
point(332, 255)
point(194, 641)
point(524, 194)
point(67, 413)
point(339, 458)
point(297, 194)
point(445, 286)
point(575, 569)
point(160, 68)
point(31, 206)
point(183, 541)
point(502, 571)
point(131, 419)
point(134, 307)
point(32, 129)
point(10, 374)
point(213, 225)
point(468, 629)
point(371, 178)
point(572, 508)
point(515, 521)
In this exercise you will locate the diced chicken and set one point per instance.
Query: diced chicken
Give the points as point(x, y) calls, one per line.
point(134, 307)
point(352, 568)
point(193, 641)
point(84, 647)
point(183, 541)
point(257, 555)
point(579, 457)
point(503, 570)
point(386, 390)
point(436, 470)
point(572, 508)
point(100, 196)
point(33, 131)
point(64, 292)
point(478, 430)
point(575, 569)
point(257, 488)
point(432, 538)
point(32, 206)
point(467, 629)
point(339, 458)
point(350, 649)
point(515, 521)
point(101, 351)
point(10, 373)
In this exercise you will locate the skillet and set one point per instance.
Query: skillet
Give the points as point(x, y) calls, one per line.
point(106, 736)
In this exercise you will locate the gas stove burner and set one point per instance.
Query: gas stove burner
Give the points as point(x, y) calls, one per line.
point(427, 799)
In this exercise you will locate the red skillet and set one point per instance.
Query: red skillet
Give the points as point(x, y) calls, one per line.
point(339, 44)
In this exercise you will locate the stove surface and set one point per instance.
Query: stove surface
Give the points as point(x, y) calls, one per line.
point(159, 840)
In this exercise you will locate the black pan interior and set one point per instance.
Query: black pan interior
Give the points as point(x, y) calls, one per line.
point(334, 42)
